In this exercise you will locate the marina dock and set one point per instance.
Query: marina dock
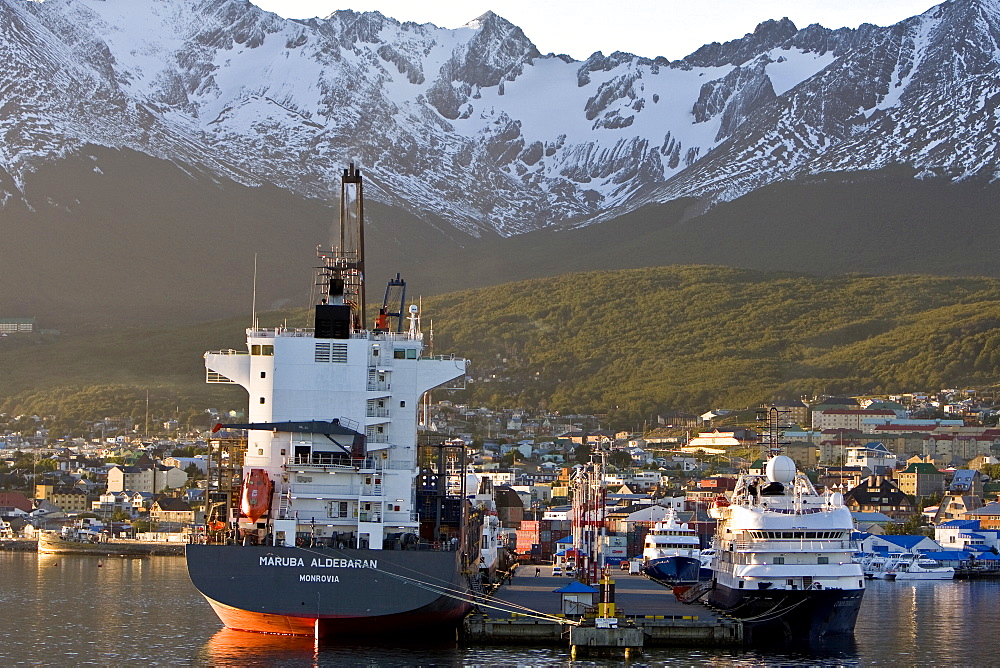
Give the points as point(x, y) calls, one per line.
point(640, 603)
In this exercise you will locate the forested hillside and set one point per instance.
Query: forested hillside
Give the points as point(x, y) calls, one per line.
point(631, 343)
point(638, 342)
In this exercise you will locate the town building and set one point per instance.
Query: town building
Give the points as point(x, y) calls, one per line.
point(879, 494)
point(151, 479)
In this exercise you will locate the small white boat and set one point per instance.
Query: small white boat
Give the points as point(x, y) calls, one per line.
point(919, 567)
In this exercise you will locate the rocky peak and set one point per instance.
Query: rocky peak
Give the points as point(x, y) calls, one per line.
point(766, 36)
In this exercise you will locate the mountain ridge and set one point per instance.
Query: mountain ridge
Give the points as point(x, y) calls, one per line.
point(458, 121)
point(478, 151)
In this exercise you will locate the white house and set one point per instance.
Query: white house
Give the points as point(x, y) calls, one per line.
point(874, 456)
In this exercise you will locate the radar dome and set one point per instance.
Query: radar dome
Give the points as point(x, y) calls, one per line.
point(836, 499)
point(781, 469)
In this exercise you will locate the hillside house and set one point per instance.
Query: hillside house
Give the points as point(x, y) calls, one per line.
point(879, 494)
point(921, 480)
point(171, 510)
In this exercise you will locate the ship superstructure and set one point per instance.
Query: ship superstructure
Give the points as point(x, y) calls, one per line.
point(336, 524)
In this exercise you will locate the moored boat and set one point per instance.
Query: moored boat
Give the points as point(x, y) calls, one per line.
point(347, 525)
point(783, 558)
point(671, 552)
point(918, 567)
point(55, 542)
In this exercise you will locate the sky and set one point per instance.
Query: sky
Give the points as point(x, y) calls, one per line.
point(650, 28)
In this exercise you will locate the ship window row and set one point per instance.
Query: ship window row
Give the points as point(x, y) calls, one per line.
point(256, 349)
point(801, 535)
point(405, 354)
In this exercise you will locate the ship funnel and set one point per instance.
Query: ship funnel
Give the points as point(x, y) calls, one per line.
point(341, 277)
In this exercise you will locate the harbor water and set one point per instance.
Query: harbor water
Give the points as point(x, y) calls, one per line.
point(63, 610)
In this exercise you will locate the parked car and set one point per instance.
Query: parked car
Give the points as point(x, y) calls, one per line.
point(556, 570)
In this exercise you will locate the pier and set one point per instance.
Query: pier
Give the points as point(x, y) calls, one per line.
point(640, 604)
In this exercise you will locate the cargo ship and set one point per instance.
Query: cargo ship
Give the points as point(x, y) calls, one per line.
point(329, 519)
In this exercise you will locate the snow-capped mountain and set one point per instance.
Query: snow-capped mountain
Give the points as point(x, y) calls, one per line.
point(474, 127)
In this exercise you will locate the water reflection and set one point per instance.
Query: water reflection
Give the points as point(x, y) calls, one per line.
point(238, 648)
point(64, 610)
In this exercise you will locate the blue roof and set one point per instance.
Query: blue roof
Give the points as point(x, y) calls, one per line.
point(988, 556)
point(904, 540)
point(575, 587)
point(876, 445)
point(949, 555)
point(566, 540)
point(961, 524)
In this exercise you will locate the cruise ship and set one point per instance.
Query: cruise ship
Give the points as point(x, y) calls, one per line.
point(783, 562)
point(343, 525)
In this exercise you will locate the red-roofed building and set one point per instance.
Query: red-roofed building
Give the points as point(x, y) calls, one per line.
point(14, 503)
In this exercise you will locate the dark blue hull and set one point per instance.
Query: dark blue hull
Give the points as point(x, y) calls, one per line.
point(789, 615)
point(673, 570)
point(328, 592)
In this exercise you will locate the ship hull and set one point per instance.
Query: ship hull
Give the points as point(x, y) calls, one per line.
point(676, 569)
point(332, 593)
point(783, 615)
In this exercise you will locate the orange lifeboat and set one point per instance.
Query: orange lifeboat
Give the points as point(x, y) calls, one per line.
point(256, 494)
point(721, 501)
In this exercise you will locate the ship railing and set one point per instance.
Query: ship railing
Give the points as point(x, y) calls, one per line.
point(398, 516)
point(335, 462)
point(373, 412)
point(272, 332)
point(227, 351)
point(797, 544)
point(393, 336)
point(306, 490)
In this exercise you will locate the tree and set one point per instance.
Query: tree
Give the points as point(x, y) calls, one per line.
point(512, 456)
point(582, 453)
point(621, 459)
point(911, 527)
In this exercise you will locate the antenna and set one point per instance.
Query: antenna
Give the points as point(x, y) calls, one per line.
point(253, 307)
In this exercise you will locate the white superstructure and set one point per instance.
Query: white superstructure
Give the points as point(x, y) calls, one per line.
point(777, 533)
point(333, 409)
point(670, 538)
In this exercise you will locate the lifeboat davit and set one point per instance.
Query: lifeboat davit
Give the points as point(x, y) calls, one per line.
point(256, 494)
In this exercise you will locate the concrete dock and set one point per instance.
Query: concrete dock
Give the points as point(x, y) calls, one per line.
point(664, 620)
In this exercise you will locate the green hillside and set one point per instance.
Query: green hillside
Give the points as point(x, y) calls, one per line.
point(641, 341)
point(631, 343)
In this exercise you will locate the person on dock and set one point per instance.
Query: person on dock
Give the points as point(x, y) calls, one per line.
point(538, 571)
